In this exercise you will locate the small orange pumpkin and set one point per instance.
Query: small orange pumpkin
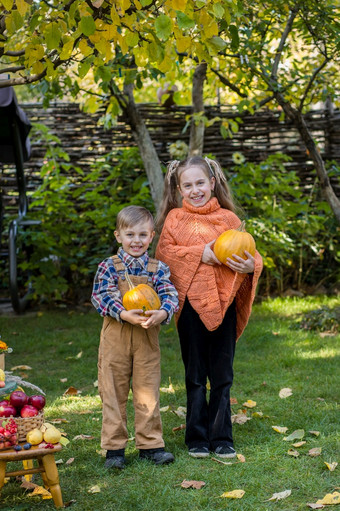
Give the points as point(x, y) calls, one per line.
point(140, 297)
point(234, 241)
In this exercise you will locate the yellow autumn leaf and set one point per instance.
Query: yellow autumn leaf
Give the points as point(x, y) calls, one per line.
point(94, 489)
point(39, 490)
point(249, 404)
point(299, 444)
point(22, 6)
point(278, 496)
point(285, 392)
point(316, 451)
point(315, 433)
point(280, 429)
point(177, 5)
point(183, 43)
point(331, 466)
point(234, 494)
point(330, 499)
point(241, 458)
point(22, 367)
point(293, 452)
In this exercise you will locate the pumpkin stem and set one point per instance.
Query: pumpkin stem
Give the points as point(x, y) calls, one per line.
point(242, 227)
point(131, 286)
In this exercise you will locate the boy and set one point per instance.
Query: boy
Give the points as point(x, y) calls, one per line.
point(129, 345)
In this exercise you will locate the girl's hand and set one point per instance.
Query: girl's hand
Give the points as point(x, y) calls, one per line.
point(208, 256)
point(242, 265)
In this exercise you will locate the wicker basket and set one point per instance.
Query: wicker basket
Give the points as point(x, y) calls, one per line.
point(26, 424)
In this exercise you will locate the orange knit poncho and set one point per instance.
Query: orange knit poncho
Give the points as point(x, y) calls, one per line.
point(210, 289)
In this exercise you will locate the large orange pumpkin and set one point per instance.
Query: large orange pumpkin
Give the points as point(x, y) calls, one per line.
point(140, 297)
point(234, 241)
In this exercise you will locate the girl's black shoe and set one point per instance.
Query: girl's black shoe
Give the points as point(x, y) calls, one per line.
point(157, 456)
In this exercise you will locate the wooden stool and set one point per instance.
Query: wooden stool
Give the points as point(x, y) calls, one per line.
point(47, 467)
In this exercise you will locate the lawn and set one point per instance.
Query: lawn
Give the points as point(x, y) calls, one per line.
point(270, 356)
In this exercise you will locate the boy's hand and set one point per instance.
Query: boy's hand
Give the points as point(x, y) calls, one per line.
point(154, 318)
point(133, 316)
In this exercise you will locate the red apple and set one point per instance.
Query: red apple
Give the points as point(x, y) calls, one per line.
point(7, 410)
point(38, 401)
point(18, 399)
point(4, 402)
point(29, 411)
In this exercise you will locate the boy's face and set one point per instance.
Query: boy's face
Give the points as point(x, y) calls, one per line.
point(135, 239)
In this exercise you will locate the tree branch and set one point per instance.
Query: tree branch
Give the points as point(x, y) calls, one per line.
point(14, 53)
point(282, 43)
point(226, 82)
point(314, 75)
point(22, 81)
point(12, 69)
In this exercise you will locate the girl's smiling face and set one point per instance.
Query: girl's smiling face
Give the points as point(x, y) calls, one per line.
point(195, 186)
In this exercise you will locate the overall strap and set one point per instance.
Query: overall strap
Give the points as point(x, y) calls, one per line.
point(118, 264)
point(152, 268)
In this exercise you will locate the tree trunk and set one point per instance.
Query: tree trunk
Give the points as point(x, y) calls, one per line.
point(314, 153)
point(197, 130)
point(147, 150)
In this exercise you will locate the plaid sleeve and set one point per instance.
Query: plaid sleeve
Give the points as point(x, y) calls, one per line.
point(165, 290)
point(106, 297)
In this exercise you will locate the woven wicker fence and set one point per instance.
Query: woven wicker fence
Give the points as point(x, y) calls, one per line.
point(259, 136)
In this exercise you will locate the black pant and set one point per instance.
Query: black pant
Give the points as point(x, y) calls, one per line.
point(207, 355)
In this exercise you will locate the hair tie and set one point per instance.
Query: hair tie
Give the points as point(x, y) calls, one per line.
point(218, 173)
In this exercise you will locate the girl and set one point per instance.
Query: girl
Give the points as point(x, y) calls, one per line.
point(214, 299)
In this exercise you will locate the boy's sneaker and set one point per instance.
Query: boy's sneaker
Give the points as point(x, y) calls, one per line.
point(199, 452)
point(225, 451)
point(115, 459)
point(158, 456)
point(115, 462)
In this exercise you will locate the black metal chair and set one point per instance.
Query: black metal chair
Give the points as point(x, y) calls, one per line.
point(15, 148)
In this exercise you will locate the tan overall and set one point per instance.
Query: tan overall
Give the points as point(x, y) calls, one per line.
point(128, 351)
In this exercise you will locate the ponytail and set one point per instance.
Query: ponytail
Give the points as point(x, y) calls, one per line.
point(170, 194)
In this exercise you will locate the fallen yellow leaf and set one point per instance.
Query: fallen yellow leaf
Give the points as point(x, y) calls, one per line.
point(331, 466)
point(280, 429)
point(39, 490)
point(315, 433)
point(71, 391)
point(315, 506)
point(168, 390)
point(286, 392)
point(23, 368)
point(235, 494)
point(299, 444)
point(330, 499)
point(239, 418)
point(94, 489)
point(316, 451)
point(280, 496)
point(294, 453)
point(249, 404)
point(164, 409)
point(241, 458)
point(298, 434)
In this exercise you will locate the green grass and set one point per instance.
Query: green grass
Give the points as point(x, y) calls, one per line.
point(271, 355)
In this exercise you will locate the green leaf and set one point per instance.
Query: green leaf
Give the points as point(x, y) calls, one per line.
point(298, 434)
point(163, 27)
point(216, 43)
point(87, 25)
point(52, 35)
point(184, 21)
point(83, 68)
point(235, 42)
point(218, 10)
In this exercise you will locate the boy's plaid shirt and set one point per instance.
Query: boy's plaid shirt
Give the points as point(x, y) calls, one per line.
point(106, 297)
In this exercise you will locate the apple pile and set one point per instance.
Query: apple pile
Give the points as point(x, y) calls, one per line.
point(8, 434)
point(21, 405)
